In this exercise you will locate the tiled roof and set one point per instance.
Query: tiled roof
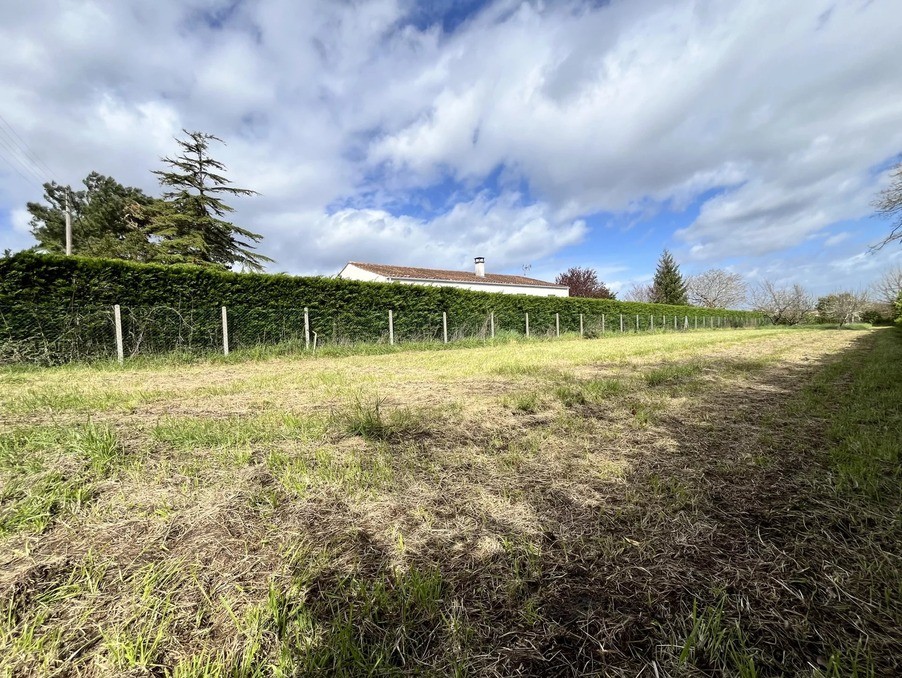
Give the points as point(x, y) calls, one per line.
point(413, 273)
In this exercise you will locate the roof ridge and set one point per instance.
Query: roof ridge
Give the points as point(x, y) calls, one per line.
point(423, 273)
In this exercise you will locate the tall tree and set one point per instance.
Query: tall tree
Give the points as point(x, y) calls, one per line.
point(717, 288)
point(583, 282)
point(103, 219)
point(889, 204)
point(668, 286)
point(190, 223)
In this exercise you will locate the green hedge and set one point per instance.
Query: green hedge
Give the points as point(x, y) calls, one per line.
point(55, 308)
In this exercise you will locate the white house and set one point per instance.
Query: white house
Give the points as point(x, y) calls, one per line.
point(478, 280)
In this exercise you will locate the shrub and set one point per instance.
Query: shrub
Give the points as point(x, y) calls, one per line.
point(61, 308)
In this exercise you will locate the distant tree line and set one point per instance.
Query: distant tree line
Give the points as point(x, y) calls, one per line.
point(784, 304)
point(187, 224)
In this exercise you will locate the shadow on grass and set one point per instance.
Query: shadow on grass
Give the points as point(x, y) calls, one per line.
point(725, 550)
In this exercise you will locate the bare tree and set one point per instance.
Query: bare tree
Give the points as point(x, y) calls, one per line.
point(784, 305)
point(639, 292)
point(717, 288)
point(842, 307)
point(889, 204)
point(886, 290)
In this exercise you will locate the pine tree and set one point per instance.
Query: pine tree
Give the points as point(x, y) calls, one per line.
point(668, 286)
point(102, 221)
point(189, 223)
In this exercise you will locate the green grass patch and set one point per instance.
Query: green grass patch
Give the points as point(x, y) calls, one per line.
point(47, 471)
point(673, 374)
point(188, 433)
point(370, 419)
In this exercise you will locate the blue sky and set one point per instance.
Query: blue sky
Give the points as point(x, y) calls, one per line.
point(746, 135)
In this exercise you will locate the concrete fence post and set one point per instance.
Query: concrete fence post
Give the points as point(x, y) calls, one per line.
point(391, 327)
point(621, 323)
point(445, 326)
point(557, 324)
point(527, 325)
point(492, 323)
point(117, 320)
point(651, 324)
point(581, 331)
point(225, 331)
point(306, 329)
point(685, 322)
point(602, 323)
point(696, 321)
point(637, 322)
point(674, 321)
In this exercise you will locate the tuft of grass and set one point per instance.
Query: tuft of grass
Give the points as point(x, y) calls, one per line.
point(714, 641)
point(672, 374)
point(369, 419)
point(577, 393)
point(98, 444)
point(528, 402)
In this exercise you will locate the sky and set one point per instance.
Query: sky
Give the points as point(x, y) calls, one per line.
point(751, 135)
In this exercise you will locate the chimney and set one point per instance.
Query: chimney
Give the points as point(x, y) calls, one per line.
point(480, 267)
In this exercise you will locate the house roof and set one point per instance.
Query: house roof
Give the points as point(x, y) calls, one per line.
point(414, 273)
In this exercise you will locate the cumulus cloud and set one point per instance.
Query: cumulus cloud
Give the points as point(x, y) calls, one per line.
point(502, 229)
point(767, 117)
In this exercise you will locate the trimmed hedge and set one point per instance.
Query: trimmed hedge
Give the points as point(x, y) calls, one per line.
point(177, 306)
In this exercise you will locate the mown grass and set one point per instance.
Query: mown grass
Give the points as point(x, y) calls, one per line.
point(531, 509)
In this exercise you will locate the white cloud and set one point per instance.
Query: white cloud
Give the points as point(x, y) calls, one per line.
point(502, 229)
point(836, 239)
point(629, 106)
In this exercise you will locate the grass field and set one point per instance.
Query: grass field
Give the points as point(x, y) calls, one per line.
point(718, 503)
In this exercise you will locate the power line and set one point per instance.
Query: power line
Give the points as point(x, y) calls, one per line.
point(16, 169)
point(12, 158)
point(29, 152)
point(23, 161)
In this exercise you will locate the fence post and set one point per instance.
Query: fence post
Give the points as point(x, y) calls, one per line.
point(637, 323)
point(652, 323)
point(602, 323)
point(557, 324)
point(391, 327)
point(306, 329)
point(621, 323)
point(445, 325)
point(685, 322)
point(492, 323)
point(581, 332)
point(696, 321)
point(527, 325)
point(225, 331)
point(674, 321)
point(117, 319)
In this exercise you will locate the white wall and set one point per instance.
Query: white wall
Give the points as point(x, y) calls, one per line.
point(351, 272)
point(490, 287)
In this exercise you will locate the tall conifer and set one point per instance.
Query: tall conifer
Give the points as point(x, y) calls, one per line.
point(668, 286)
point(190, 222)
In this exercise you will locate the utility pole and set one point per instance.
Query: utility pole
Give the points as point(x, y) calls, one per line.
point(68, 227)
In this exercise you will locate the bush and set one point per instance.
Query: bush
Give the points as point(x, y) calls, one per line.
point(61, 308)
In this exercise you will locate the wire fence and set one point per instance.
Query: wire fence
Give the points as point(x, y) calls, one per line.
point(48, 334)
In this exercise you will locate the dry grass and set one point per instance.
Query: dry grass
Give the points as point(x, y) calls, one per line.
point(664, 505)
